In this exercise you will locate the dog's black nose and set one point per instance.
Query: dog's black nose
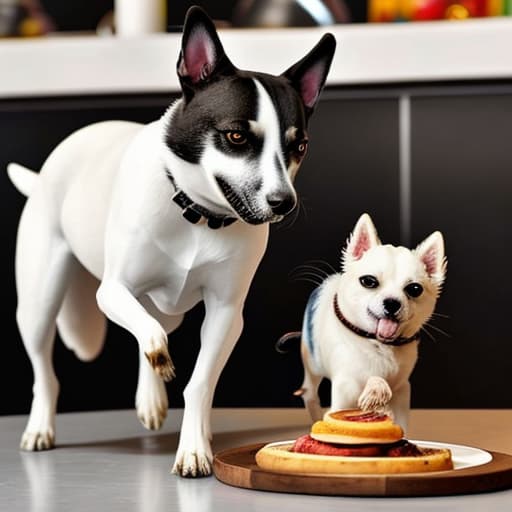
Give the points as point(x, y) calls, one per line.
point(391, 307)
point(281, 204)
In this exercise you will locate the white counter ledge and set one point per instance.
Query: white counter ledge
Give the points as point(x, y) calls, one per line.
point(367, 54)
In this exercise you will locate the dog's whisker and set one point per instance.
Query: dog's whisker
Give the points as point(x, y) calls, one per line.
point(438, 329)
point(303, 278)
point(312, 269)
point(290, 219)
point(317, 276)
point(441, 315)
point(331, 269)
point(428, 333)
point(306, 273)
point(296, 212)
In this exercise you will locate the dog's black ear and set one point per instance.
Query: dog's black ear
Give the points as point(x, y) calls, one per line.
point(309, 74)
point(202, 56)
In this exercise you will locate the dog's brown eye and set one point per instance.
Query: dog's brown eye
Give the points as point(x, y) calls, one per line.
point(414, 290)
point(369, 281)
point(237, 138)
point(302, 147)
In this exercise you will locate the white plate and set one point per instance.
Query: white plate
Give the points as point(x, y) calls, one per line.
point(462, 456)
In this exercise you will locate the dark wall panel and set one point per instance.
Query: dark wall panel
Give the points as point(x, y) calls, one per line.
point(462, 182)
point(352, 167)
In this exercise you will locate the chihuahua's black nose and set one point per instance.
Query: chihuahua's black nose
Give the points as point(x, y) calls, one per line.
point(391, 307)
point(281, 204)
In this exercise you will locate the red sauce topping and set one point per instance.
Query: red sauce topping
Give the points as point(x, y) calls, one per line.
point(402, 448)
point(366, 417)
point(306, 444)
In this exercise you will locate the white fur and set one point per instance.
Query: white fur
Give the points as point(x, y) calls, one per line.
point(363, 372)
point(101, 209)
point(100, 236)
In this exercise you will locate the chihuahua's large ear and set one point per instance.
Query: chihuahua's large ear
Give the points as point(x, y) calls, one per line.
point(202, 56)
point(431, 254)
point(363, 238)
point(308, 75)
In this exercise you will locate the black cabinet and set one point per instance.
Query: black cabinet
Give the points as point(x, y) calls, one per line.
point(459, 183)
point(461, 161)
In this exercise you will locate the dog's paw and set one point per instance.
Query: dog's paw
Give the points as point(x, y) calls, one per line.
point(37, 441)
point(152, 405)
point(161, 362)
point(376, 395)
point(157, 354)
point(192, 464)
point(152, 420)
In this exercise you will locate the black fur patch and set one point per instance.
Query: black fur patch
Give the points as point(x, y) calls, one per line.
point(227, 101)
point(228, 104)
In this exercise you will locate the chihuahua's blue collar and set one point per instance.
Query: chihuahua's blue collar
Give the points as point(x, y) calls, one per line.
point(397, 342)
point(193, 212)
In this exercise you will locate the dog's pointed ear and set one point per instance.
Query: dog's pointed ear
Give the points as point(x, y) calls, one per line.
point(431, 254)
point(363, 238)
point(308, 75)
point(202, 56)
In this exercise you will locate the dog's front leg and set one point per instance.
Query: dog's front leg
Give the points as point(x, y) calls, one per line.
point(119, 304)
point(400, 405)
point(376, 395)
point(220, 331)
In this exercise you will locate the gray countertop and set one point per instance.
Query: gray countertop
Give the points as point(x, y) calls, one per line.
point(107, 461)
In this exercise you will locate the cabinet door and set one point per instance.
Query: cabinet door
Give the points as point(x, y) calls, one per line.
point(461, 185)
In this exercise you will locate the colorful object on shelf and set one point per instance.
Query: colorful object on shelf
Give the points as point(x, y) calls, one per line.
point(425, 10)
point(24, 18)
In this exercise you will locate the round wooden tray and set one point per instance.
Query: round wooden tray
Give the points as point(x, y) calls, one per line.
point(237, 467)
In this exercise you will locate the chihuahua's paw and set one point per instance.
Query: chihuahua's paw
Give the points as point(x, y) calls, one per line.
point(192, 464)
point(37, 441)
point(376, 395)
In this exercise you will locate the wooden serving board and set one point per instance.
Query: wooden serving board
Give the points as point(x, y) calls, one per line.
point(237, 467)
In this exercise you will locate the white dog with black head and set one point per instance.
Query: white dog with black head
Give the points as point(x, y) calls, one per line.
point(361, 327)
point(139, 223)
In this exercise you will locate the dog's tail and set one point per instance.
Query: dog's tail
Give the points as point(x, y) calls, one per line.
point(282, 342)
point(24, 179)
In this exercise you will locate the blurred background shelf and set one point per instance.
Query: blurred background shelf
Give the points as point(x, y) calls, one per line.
point(366, 54)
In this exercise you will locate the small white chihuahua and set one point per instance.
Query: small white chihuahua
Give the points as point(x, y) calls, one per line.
point(361, 327)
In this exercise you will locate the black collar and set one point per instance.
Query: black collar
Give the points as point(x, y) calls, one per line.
point(193, 212)
point(365, 334)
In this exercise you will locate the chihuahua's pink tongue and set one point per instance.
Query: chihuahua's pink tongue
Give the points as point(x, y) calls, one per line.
point(386, 328)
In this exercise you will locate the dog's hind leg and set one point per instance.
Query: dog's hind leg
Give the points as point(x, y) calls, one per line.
point(151, 397)
point(81, 324)
point(309, 390)
point(43, 263)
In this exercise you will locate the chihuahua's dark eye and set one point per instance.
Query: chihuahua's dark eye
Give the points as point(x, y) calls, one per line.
point(235, 137)
point(369, 281)
point(414, 290)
